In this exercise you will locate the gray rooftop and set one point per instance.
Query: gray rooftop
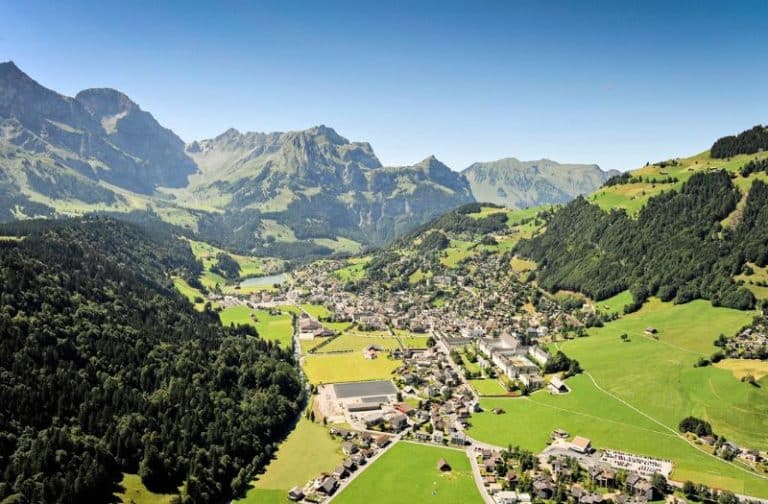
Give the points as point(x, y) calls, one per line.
point(364, 389)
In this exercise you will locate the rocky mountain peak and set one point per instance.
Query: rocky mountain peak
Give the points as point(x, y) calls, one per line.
point(105, 102)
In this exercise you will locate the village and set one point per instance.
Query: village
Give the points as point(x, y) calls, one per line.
point(430, 399)
point(480, 327)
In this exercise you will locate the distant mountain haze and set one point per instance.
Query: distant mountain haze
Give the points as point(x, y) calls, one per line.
point(520, 184)
point(290, 194)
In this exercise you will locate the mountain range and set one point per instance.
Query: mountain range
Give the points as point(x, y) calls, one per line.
point(291, 194)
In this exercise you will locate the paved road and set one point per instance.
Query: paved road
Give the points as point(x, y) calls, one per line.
point(472, 454)
point(345, 483)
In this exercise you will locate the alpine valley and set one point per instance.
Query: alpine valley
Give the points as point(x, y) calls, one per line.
point(277, 317)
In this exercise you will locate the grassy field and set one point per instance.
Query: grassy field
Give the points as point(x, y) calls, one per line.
point(657, 377)
point(352, 366)
point(753, 281)
point(486, 211)
point(308, 451)
point(587, 411)
point(278, 328)
point(488, 387)
point(315, 311)
point(135, 492)
point(357, 341)
point(456, 252)
point(615, 304)
point(632, 197)
point(743, 367)
point(355, 269)
point(522, 265)
point(189, 292)
point(408, 473)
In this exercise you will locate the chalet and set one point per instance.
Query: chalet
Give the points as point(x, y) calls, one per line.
point(544, 489)
point(606, 477)
point(404, 408)
point(398, 422)
point(581, 445)
point(342, 433)
point(307, 325)
point(557, 386)
point(489, 466)
point(328, 486)
point(505, 497)
point(443, 466)
point(381, 441)
point(296, 494)
point(349, 465)
point(358, 459)
point(348, 448)
point(340, 472)
point(643, 490)
point(437, 437)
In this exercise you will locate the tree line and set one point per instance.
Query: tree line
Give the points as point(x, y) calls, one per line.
point(747, 142)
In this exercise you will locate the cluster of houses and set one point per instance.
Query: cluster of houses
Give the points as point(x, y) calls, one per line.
point(445, 401)
point(358, 448)
point(561, 478)
point(750, 343)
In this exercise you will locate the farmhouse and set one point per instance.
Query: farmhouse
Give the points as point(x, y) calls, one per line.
point(296, 494)
point(557, 386)
point(581, 445)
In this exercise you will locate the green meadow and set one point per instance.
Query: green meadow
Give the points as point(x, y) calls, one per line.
point(642, 388)
point(277, 328)
point(307, 451)
point(408, 473)
point(189, 292)
point(133, 491)
point(350, 366)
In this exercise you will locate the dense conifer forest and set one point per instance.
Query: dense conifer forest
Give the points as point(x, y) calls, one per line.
point(747, 142)
point(676, 249)
point(105, 368)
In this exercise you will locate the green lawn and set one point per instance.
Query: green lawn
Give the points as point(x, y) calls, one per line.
point(278, 328)
point(456, 252)
point(189, 292)
point(357, 341)
point(658, 378)
point(135, 492)
point(352, 366)
point(355, 269)
point(316, 311)
point(615, 304)
point(408, 473)
point(488, 387)
point(308, 451)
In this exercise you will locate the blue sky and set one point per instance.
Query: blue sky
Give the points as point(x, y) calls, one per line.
point(615, 83)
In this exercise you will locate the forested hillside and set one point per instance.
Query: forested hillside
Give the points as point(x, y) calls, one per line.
point(676, 248)
point(106, 369)
point(747, 142)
